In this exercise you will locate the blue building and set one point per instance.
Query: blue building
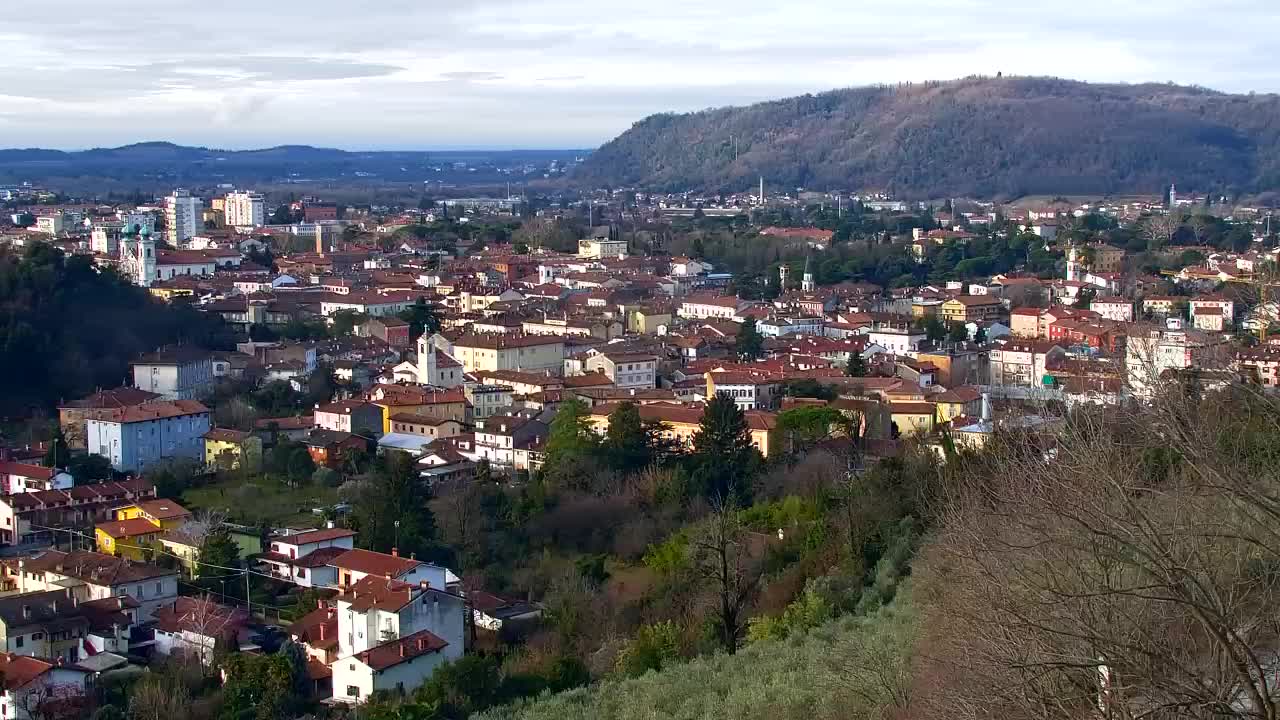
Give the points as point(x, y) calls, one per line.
point(136, 437)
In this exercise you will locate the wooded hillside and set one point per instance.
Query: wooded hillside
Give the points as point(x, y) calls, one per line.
point(982, 137)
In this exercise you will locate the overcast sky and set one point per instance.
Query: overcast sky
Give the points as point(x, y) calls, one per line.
point(410, 74)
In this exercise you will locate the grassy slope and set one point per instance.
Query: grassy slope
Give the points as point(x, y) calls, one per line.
point(820, 675)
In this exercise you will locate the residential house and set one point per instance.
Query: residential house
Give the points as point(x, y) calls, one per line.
point(356, 565)
point(181, 373)
point(195, 627)
point(443, 404)
point(34, 517)
point(1153, 351)
point(71, 417)
point(750, 390)
point(1260, 364)
point(899, 338)
point(232, 449)
point(1116, 309)
point(681, 422)
point(625, 370)
point(1163, 305)
point(701, 307)
point(136, 437)
point(393, 635)
point(971, 308)
point(303, 558)
point(498, 438)
point(493, 612)
point(531, 353)
point(424, 426)
point(912, 418)
point(16, 477)
point(96, 576)
point(389, 329)
point(328, 448)
point(29, 683)
point(962, 401)
point(351, 416)
point(488, 400)
point(1022, 362)
point(136, 530)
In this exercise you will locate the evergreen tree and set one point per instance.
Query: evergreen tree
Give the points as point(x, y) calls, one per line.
point(631, 443)
point(856, 367)
point(724, 460)
point(958, 332)
point(750, 343)
point(390, 508)
point(422, 318)
point(571, 443)
point(219, 550)
point(58, 455)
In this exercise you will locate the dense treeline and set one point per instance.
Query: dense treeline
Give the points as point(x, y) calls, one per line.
point(981, 137)
point(67, 328)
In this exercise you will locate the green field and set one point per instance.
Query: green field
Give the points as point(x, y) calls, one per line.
point(261, 499)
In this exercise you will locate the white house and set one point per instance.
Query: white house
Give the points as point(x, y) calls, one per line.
point(626, 370)
point(180, 373)
point(31, 685)
point(303, 558)
point(900, 340)
point(193, 626)
point(702, 307)
point(392, 635)
point(18, 477)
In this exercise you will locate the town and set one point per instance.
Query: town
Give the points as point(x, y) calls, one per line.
point(433, 437)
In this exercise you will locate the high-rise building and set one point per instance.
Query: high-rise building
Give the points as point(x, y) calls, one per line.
point(245, 209)
point(182, 216)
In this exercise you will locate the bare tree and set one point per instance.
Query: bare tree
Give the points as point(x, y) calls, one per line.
point(723, 560)
point(1158, 230)
point(1129, 572)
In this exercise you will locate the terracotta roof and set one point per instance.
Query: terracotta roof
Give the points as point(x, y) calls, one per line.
point(318, 628)
point(116, 398)
point(912, 408)
point(199, 616)
point(504, 341)
point(226, 435)
point(380, 593)
point(19, 670)
point(374, 563)
point(163, 509)
point(129, 528)
point(94, 568)
point(148, 411)
point(26, 470)
point(314, 536)
point(297, 422)
point(402, 650)
point(421, 419)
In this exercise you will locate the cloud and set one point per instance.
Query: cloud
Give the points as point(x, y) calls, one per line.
point(404, 73)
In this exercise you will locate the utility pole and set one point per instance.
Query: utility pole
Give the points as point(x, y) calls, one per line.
point(248, 601)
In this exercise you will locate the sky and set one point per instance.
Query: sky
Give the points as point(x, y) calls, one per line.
point(426, 74)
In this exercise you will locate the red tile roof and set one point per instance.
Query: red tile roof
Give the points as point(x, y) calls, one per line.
point(148, 411)
point(402, 650)
point(19, 670)
point(374, 563)
point(314, 536)
point(129, 528)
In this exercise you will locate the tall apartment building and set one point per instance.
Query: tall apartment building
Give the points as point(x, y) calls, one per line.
point(245, 209)
point(182, 216)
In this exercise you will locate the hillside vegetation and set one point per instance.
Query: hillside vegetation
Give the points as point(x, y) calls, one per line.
point(980, 136)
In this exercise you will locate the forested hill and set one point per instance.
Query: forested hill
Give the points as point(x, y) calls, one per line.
point(981, 137)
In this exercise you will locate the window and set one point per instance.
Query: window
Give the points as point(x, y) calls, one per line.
point(352, 690)
point(37, 636)
point(159, 589)
point(19, 641)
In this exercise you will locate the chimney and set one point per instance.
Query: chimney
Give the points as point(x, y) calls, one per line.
point(401, 649)
point(319, 604)
point(395, 552)
point(423, 585)
point(329, 525)
point(321, 631)
point(986, 407)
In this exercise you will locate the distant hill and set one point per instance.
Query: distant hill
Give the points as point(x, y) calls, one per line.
point(166, 164)
point(982, 137)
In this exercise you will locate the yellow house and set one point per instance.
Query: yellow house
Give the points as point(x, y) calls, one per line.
point(971, 308)
point(912, 418)
point(164, 514)
point(436, 404)
point(965, 400)
point(176, 542)
point(681, 422)
point(130, 538)
point(232, 449)
point(645, 321)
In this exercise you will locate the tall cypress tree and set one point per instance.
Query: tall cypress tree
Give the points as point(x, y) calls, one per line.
point(724, 459)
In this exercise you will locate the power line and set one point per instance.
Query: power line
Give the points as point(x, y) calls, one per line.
point(159, 551)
